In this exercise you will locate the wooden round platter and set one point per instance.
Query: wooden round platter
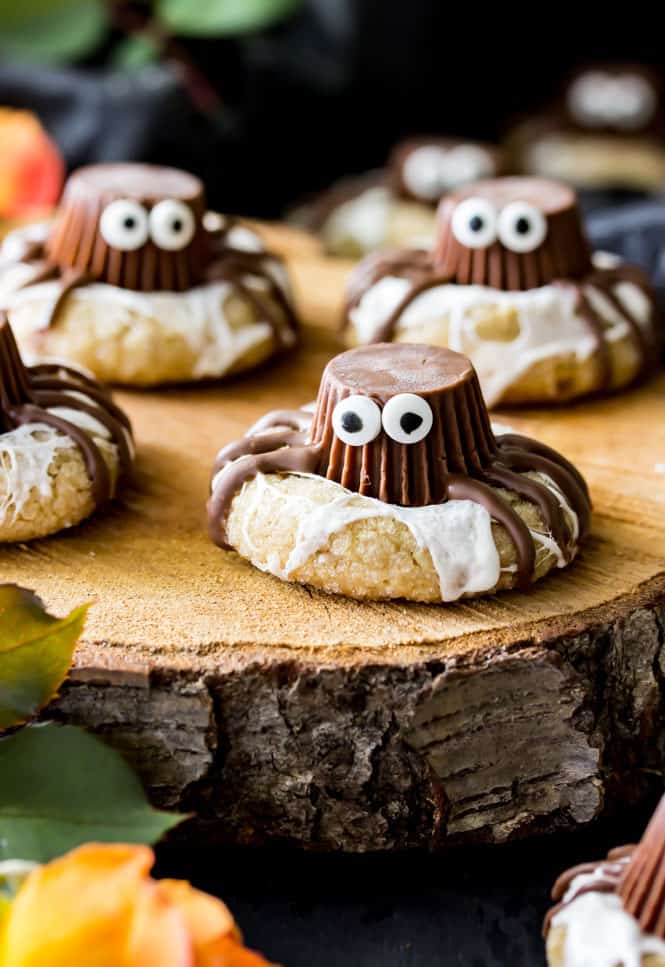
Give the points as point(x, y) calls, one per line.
point(275, 712)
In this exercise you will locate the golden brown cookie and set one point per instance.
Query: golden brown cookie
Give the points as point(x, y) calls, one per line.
point(511, 282)
point(395, 486)
point(64, 445)
point(138, 283)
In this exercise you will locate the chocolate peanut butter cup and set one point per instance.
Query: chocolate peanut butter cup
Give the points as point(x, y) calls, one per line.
point(511, 234)
point(642, 886)
point(132, 225)
point(143, 228)
point(406, 424)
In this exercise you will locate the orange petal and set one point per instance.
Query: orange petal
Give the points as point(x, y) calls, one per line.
point(227, 952)
point(31, 167)
point(160, 935)
point(207, 917)
point(216, 938)
point(84, 905)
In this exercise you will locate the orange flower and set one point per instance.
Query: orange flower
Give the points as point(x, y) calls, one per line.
point(98, 907)
point(31, 168)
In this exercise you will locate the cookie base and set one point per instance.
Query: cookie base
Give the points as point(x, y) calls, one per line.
point(274, 712)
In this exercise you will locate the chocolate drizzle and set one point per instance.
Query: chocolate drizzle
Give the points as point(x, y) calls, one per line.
point(563, 259)
point(27, 395)
point(459, 459)
point(635, 873)
point(606, 873)
point(76, 253)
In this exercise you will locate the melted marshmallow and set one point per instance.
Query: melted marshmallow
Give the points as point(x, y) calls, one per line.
point(363, 219)
point(457, 534)
point(546, 322)
point(27, 453)
point(599, 932)
point(197, 315)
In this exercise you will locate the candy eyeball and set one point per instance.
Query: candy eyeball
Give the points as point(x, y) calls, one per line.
point(522, 227)
point(124, 225)
point(172, 225)
point(625, 101)
point(463, 164)
point(356, 420)
point(634, 101)
point(422, 172)
point(474, 223)
point(407, 418)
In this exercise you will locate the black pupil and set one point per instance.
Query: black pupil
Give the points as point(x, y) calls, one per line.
point(523, 226)
point(476, 223)
point(176, 225)
point(129, 222)
point(410, 422)
point(351, 422)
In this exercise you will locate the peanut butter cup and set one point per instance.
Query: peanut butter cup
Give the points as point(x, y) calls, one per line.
point(406, 425)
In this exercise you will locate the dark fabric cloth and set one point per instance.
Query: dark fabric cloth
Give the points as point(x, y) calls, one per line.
point(321, 95)
point(637, 233)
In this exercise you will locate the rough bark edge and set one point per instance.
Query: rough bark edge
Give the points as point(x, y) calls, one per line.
point(336, 758)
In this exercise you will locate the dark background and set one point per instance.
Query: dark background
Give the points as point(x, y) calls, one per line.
point(327, 92)
point(324, 95)
point(467, 908)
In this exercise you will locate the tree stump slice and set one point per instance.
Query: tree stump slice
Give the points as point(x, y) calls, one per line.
point(274, 712)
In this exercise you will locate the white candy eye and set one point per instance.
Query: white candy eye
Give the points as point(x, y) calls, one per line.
point(124, 225)
point(474, 223)
point(172, 225)
point(522, 228)
point(635, 102)
point(422, 172)
point(407, 418)
point(356, 420)
point(464, 164)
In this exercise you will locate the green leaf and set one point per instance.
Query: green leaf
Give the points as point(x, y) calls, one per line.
point(51, 31)
point(35, 653)
point(135, 52)
point(221, 17)
point(60, 787)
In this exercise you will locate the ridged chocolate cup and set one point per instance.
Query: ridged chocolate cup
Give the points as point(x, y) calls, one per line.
point(642, 886)
point(413, 474)
point(76, 243)
point(402, 151)
point(564, 254)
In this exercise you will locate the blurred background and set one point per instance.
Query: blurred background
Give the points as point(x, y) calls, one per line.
point(270, 100)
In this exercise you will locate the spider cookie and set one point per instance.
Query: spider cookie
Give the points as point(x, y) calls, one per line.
point(64, 445)
point(612, 913)
point(395, 486)
point(397, 204)
point(607, 130)
point(136, 282)
point(512, 283)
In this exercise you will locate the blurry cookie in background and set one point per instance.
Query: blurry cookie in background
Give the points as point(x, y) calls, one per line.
point(396, 205)
point(513, 283)
point(137, 282)
point(605, 131)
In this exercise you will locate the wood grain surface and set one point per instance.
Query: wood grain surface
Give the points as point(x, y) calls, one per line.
point(275, 711)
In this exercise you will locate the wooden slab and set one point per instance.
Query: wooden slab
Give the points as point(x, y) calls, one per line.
point(273, 711)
